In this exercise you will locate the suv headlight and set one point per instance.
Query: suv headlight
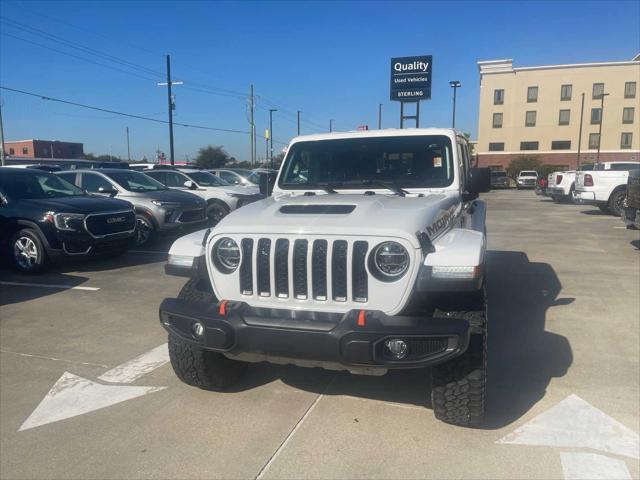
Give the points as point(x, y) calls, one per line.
point(159, 203)
point(226, 255)
point(389, 261)
point(68, 221)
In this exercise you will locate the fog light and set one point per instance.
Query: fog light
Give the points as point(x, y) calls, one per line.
point(397, 347)
point(198, 329)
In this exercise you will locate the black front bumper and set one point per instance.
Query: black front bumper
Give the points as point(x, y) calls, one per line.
point(81, 244)
point(316, 336)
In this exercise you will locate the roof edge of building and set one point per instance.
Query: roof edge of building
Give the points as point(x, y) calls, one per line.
point(505, 66)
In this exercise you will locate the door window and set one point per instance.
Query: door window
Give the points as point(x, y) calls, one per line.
point(92, 182)
point(175, 180)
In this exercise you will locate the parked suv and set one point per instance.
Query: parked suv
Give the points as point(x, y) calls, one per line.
point(221, 197)
point(631, 207)
point(527, 179)
point(43, 218)
point(499, 179)
point(367, 256)
point(157, 208)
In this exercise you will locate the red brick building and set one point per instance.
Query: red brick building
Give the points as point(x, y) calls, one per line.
point(43, 149)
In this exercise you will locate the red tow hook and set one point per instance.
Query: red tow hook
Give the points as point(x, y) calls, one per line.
point(222, 307)
point(361, 318)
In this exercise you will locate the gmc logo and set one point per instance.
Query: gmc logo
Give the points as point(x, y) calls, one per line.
point(116, 219)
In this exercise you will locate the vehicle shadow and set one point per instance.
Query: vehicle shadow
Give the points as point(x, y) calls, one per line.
point(13, 289)
point(635, 243)
point(596, 213)
point(523, 357)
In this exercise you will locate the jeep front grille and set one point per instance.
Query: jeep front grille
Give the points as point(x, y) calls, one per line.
point(304, 269)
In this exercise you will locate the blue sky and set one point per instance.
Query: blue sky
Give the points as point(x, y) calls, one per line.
point(328, 59)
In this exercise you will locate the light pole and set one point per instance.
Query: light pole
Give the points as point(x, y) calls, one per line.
point(379, 116)
point(271, 110)
point(330, 125)
point(128, 149)
point(455, 84)
point(2, 160)
point(580, 132)
point(298, 122)
point(600, 127)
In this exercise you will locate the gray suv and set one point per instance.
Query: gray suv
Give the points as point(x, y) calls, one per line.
point(157, 208)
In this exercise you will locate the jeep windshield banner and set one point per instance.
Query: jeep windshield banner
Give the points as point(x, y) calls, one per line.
point(411, 78)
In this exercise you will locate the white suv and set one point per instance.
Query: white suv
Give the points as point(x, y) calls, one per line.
point(221, 197)
point(527, 179)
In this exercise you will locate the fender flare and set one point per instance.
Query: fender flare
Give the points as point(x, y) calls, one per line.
point(21, 222)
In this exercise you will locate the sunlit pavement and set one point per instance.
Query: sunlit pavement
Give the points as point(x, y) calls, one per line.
point(564, 299)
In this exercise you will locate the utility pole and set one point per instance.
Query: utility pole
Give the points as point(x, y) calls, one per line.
point(50, 146)
point(580, 132)
point(298, 122)
point(271, 110)
point(266, 150)
point(128, 149)
point(600, 127)
point(455, 84)
point(2, 159)
point(172, 106)
point(253, 127)
point(330, 125)
point(379, 116)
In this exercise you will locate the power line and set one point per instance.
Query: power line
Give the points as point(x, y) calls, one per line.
point(115, 112)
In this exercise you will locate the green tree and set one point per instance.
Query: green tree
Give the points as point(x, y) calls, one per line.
point(472, 146)
point(523, 162)
point(213, 157)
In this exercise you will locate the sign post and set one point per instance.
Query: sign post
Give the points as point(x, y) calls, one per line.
point(410, 83)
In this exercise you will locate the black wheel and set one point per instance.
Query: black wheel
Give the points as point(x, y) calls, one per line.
point(27, 252)
point(616, 202)
point(216, 211)
point(196, 366)
point(458, 387)
point(144, 230)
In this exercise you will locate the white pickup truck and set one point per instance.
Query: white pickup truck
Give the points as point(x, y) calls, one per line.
point(562, 184)
point(605, 185)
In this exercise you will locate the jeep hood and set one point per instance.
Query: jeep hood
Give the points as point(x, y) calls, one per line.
point(344, 214)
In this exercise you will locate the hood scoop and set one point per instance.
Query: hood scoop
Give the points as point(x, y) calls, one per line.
point(317, 209)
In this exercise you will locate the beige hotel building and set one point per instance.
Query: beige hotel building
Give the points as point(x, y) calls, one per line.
point(536, 111)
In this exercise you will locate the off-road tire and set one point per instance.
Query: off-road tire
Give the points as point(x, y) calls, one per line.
point(458, 387)
point(196, 366)
point(615, 202)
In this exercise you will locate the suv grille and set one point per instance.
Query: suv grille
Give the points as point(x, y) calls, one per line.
point(110, 223)
point(192, 216)
point(345, 275)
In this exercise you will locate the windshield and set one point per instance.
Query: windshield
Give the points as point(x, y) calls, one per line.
point(135, 181)
point(37, 185)
point(498, 174)
point(356, 163)
point(242, 171)
point(255, 177)
point(528, 174)
point(207, 179)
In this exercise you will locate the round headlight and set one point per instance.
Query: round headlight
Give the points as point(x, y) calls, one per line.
point(226, 255)
point(389, 260)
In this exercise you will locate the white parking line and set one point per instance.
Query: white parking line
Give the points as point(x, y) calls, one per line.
point(49, 285)
point(148, 251)
point(42, 357)
point(132, 370)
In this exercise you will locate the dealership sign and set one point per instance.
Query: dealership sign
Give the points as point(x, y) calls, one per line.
point(411, 78)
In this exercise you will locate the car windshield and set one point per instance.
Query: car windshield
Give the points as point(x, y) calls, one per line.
point(356, 163)
point(255, 177)
point(528, 174)
point(242, 171)
point(37, 185)
point(207, 179)
point(135, 181)
point(498, 174)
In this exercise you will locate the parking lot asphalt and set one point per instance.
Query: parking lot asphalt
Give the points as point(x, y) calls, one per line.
point(564, 375)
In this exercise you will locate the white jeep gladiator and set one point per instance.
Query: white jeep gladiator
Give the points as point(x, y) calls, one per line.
point(367, 255)
point(605, 186)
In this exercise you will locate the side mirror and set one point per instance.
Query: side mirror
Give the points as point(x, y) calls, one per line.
point(479, 182)
point(108, 191)
point(267, 181)
point(190, 185)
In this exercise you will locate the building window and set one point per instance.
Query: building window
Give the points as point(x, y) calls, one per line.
point(497, 120)
point(561, 145)
point(627, 115)
point(12, 151)
point(498, 96)
point(564, 117)
point(598, 90)
point(565, 92)
point(532, 94)
point(496, 147)
point(596, 116)
point(594, 140)
point(25, 150)
point(630, 90)
point(528, 145)
point(625, 140)
point(530, 119)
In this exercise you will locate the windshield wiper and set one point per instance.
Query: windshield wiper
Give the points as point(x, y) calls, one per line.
point(393, 186)
point(322, 186)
